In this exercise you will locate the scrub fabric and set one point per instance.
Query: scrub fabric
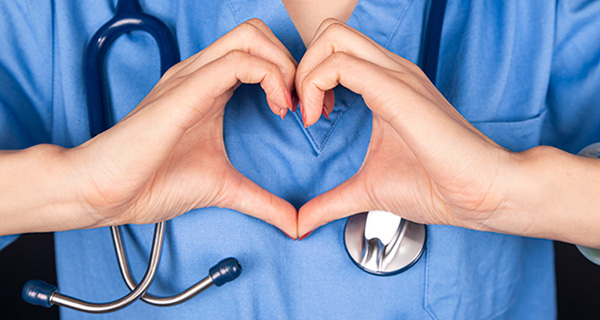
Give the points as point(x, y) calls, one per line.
point(524, 72)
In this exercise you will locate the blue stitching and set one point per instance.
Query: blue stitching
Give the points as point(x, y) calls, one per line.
point(334, 124)
point(307, 134)
point(237, 20)
point(397, 24)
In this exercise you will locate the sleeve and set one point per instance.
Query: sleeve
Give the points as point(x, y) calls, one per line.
point(573, 100)
point(25, 77)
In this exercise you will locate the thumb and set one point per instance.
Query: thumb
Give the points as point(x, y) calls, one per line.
point(249, 198)
point(348, 198)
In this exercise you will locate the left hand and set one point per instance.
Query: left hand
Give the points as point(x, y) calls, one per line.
point(425, 161)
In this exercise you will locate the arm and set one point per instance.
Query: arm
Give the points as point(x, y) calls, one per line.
point(428, 164)
point(39, 192)
point(552, 194)
point(164, 158)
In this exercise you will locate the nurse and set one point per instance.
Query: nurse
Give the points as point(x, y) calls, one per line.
point(193, 143)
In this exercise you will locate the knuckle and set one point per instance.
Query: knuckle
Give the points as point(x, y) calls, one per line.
point(271, 83)
point(339, 57)
point(234, 56)
point(329, 22)
point(257, 23)
point(306, 81)
point(333, 26)
point(248, 28)
point(410, 66)
point(171, 72)
point(289, 68)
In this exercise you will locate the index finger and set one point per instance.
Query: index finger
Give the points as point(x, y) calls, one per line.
point(253, 37)
point(334, 36)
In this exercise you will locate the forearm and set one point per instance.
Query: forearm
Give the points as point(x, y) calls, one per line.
point(551, 194)
point(39, 192)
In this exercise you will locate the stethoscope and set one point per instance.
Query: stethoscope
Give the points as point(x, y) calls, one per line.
point(378, 242)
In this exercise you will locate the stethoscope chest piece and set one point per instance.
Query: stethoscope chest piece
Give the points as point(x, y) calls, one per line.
point(382, 243)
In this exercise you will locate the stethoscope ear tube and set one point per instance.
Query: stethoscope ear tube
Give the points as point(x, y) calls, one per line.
point(224, 271)
point(40, 293)
point(45, 295)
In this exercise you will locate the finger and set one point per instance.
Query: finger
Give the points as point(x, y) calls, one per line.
point(411, 105)
point(219, 76)
point(259, 24)
point(342, 201)
point(166, 118)
point(257, 202)
point(327, 23)
point(253, 37)
point(328, 75)
point(334, 36)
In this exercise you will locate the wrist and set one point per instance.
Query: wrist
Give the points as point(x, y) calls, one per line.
point(89, 205)
point(60, 187)
point(38, 193)
point(551, 194)
point(522, 190)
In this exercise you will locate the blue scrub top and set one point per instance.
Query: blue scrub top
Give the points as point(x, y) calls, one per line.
point(524, 72)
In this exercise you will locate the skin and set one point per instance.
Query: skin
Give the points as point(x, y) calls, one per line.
point(179, 162)
point(425, 162)
point(428, 164)
point(308, 15)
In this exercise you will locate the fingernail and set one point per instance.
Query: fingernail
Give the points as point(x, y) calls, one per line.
point(303, 114)
point(282, 113)
point(288, 96)
point(324, 112)
point(306, 235)
point(294, 101)
point(289, 236)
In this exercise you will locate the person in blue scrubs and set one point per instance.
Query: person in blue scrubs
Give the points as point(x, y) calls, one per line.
point(464, 159)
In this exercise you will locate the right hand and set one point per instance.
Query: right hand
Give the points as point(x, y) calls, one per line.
point(168, 157)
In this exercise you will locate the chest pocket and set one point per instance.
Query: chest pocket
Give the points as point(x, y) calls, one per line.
point(471, 274)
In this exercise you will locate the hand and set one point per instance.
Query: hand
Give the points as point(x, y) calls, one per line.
point(425, 162)
point(167, 156)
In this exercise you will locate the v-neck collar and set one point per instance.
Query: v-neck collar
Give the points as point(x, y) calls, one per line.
point(377, 19)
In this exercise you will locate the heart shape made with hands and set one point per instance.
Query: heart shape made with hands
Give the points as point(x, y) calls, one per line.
point(420, 162)
point(182, 163)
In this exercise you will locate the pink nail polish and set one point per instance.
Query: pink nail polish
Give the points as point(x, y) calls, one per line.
point(324, 113)
point(306, 235)
point(294, 101)
point(303, 114)
point(288, 96)
point(283, 113)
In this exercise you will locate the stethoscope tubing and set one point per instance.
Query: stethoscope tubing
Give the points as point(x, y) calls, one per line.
point(146, 297)
point(81, 305)
point(129, 17)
